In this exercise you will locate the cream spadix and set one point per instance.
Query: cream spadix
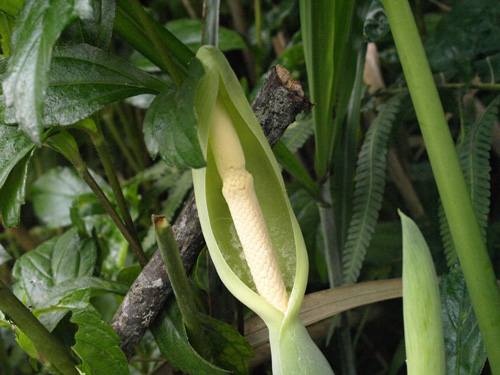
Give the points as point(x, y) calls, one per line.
point(244, 212)
point(239, 192)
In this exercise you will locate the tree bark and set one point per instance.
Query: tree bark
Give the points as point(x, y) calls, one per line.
point(276, 105)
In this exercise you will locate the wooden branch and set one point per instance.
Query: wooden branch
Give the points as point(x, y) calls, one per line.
point(278, 102)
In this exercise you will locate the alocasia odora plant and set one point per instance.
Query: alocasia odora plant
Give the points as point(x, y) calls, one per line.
point(251, 231)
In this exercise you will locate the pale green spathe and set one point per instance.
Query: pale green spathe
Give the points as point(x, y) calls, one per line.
point(293, 352)
point(421, 305)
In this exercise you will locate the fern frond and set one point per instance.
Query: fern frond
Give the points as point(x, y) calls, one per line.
point(474, 157)
point(298, 133)
point(368, 190)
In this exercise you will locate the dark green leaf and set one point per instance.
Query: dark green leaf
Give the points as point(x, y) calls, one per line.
point(13, 192)
point(14, 146)
point(97, 344)
point(95, 285)
point(474, 157)
point(170, 124)
point(38, 26)
point(369, 189)
point(376, 24)
point(4, 255)
point(469, 31)
point(230, 350)
point(465, 353)
point(84, 79)
point(15, 152)
point(53, 195)
point(96, 31)
point(171, 337)
point(57, 260)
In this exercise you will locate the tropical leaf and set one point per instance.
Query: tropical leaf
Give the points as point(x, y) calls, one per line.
point(96, 31)
point(465, 352)
point(368, 190)
point(170, 124)
point(474, 156)
point(38, 27)
point(96, 343)
point(15, 152)
point(84, 79)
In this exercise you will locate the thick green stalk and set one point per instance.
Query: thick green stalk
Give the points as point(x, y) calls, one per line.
point(180, 285)
point(471, 249)
point(47, 344)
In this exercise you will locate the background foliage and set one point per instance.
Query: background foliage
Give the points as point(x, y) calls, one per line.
point(67, 61)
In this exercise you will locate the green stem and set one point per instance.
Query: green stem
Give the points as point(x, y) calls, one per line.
point(47, 344)
point(210, 31)
point(87, 177)
point(66, 145)
point(168, 64)
point(180, 285)
point(98, 140)
point(464, 228)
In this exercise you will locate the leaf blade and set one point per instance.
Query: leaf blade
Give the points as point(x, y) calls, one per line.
point(38, 26)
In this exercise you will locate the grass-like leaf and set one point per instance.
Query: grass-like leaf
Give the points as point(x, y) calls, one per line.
point(474, 156)
point(369, 190)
